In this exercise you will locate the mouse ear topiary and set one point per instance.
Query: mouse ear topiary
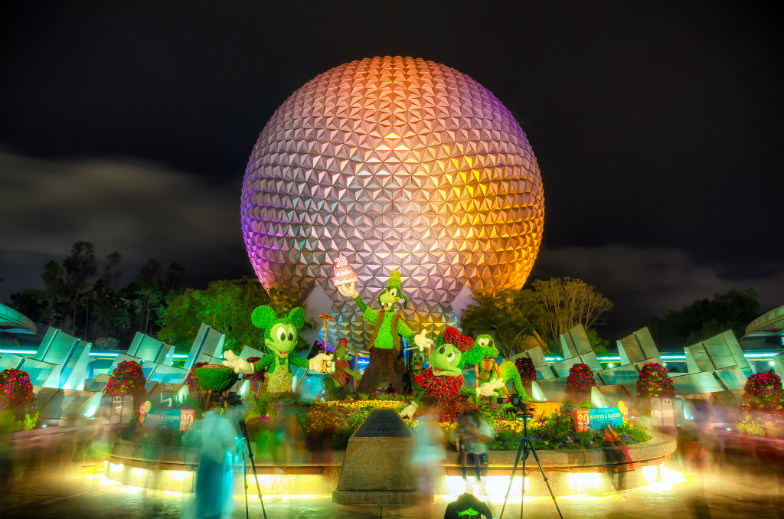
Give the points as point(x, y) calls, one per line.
point(297, 317)
point(263, 316)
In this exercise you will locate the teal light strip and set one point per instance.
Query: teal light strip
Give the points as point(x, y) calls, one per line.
point(548, 358)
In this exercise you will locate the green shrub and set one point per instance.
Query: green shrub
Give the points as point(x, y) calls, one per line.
point(215, 378)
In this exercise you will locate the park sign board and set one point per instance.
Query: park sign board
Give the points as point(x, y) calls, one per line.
point(603, 416)
point(172, 418)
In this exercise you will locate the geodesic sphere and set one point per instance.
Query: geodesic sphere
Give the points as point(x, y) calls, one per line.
point(396, 163)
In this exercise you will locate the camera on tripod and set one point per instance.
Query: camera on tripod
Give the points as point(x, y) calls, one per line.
point(524, 414)
point(522, 409)
point(233, 399)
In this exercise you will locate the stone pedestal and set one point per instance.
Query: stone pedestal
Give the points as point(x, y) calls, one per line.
point(377, 465)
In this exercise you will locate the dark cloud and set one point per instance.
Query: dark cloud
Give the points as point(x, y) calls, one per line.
point(141, 210)
point(657, 128)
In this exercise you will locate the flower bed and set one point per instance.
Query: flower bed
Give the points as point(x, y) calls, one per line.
point(338, 419)
point(762, 406)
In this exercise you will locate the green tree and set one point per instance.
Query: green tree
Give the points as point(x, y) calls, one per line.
point(73, 300)
point(704, 318)
point(511, 317)
point(150, 293)
point(32, 303)
point(600, 346)
point(80, 267)
point(568, 302)
point(225, 305)
point(111, 309)
point(53, 277)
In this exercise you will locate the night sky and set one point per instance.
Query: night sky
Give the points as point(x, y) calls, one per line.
point(657, 130)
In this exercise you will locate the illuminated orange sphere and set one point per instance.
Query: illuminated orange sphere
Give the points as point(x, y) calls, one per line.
point(398, 164)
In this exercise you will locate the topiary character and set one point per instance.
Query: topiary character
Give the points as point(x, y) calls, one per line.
point(338, 381)
point(491, 378)
point(386, 360)
point(280, 337)
point(442, 381)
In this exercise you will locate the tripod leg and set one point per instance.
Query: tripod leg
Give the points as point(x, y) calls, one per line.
point(245, 480)
point(511, 477)
point(525, 456)
point(252, 464)
point(546, 481)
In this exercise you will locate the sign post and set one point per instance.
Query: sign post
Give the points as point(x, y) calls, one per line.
point(581, 420)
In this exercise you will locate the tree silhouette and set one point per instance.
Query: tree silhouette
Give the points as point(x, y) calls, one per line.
point(704, 318)
point(80, 267)
point(511, 317)
point(568, 302)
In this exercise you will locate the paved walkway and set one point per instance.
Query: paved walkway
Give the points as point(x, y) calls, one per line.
point(66, 491)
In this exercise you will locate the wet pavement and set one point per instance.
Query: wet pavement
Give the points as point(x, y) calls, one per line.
point(76, 490)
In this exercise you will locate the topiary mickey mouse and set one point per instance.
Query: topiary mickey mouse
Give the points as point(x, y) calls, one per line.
point(280, 336)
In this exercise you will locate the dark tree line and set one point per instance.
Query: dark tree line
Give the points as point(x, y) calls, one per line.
point(704, 318)
point(84, 297)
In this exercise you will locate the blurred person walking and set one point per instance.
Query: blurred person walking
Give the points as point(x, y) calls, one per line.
point(617, 456)
point(429, 454)
point(694, 457)
point(214, 436)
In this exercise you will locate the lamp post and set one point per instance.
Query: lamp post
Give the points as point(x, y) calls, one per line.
point(327, 319)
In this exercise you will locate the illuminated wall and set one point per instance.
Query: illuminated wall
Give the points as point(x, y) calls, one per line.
point(397, 163)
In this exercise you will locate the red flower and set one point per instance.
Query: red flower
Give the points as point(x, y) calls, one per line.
point(127, 377)
point(580, 379)
point(444, 390)
point(763, 392)
point(16, 392)
point(654, 381)
point(525, 367)
point(452, 335)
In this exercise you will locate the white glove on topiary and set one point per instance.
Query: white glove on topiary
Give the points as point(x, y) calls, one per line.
point(240, 365)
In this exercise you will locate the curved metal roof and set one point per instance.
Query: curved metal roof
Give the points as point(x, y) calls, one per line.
point(771, 321)
point(12, 321)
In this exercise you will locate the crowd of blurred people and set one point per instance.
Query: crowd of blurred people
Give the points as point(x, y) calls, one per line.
point(708, 447)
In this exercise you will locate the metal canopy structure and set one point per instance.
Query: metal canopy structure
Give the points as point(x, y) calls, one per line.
point(12, 321)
